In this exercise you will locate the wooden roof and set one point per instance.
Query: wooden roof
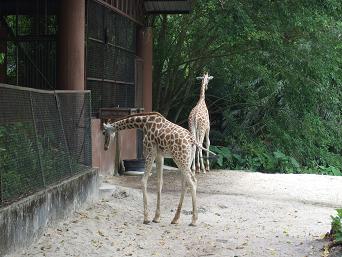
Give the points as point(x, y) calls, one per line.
point(167, 6)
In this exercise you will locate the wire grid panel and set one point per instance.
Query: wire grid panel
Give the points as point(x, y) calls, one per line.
point(53, 150)
point(77, 127)
point(45, 138)
point(20, 169)
point(111, 54)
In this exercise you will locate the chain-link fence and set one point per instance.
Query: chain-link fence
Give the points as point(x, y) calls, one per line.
point(45, 137)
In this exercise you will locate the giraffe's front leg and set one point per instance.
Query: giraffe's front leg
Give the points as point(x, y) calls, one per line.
point(207, 147)
point(149, 159)
point(159, 164)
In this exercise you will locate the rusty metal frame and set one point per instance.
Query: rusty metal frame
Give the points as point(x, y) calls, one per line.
point(132, 9)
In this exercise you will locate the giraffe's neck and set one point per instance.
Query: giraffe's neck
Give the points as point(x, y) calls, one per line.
point(202, 95)
point(130, 123)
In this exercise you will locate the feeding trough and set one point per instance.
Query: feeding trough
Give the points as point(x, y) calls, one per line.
point(133, 167)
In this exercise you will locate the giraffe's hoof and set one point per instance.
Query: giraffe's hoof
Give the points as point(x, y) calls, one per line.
point(156, 220)
point(192, 224)
point(174, 222)
point(146, 222)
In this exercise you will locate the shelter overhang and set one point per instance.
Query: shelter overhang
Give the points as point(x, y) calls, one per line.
point(167, 6)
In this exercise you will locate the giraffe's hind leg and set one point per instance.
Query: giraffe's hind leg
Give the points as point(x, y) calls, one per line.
point(159, 164)
point(207, 144)
point(179, 208)
point(198, 153)
point(201, 139)
point(192, 182)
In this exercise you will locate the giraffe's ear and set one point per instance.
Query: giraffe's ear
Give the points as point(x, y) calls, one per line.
point(199, 78)
point(211, 77)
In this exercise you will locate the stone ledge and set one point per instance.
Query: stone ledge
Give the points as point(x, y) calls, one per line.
point(23, 222)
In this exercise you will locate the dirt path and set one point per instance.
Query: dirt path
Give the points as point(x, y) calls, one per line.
point(240, 214)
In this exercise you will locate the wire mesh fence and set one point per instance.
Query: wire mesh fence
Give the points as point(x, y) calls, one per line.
point(28, 33)
point(111, 55)
point(45, 137)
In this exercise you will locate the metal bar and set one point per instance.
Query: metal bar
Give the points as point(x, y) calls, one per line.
point(89, 130)
point(26, 38)
point(63, 132)
point(113, 45)
point(119, 11)
point(37, 141)
point(111, 81)
point(1, 187)
point(16, 49)
point(41, 90)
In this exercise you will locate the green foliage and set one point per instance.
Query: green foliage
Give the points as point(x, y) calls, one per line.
point(2, 58)
point(336, 226)
point(256, 161)
point(29, 163)
point(276, 98)
point(19, 168)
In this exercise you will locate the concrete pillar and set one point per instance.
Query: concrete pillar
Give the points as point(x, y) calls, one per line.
point(145, 51)
point(70, 45)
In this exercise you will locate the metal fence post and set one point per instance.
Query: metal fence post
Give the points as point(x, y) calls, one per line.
point(63, 132)
point(1, 187)
point(37, 141)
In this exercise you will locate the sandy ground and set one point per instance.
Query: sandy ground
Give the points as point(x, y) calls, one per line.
point(240, 214)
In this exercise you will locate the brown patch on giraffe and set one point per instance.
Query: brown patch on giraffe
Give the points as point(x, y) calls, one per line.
point(138, 119)
point(159, 125)
point(151, 118)
point(158, 119)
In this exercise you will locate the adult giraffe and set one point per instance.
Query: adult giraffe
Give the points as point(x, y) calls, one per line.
point(199, 126)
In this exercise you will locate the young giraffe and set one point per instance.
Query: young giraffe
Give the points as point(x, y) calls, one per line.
point(161, 138)
point(199, 125)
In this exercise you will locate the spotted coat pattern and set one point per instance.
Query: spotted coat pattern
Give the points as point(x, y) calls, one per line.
point(199, 125)
point(162, 138)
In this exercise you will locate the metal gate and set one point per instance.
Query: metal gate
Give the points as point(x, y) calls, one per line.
point(111, 53)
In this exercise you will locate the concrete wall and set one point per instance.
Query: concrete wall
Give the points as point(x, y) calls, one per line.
point(24, 221)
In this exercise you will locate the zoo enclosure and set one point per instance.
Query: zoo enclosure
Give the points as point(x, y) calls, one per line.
point(45, 137)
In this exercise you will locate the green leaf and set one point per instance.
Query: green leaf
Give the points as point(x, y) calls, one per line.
point(220, 160)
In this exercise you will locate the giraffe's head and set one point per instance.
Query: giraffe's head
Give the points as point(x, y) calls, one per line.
point(108, 132)
point(205, 80)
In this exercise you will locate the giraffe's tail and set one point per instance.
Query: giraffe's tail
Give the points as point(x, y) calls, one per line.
point(202, 148)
